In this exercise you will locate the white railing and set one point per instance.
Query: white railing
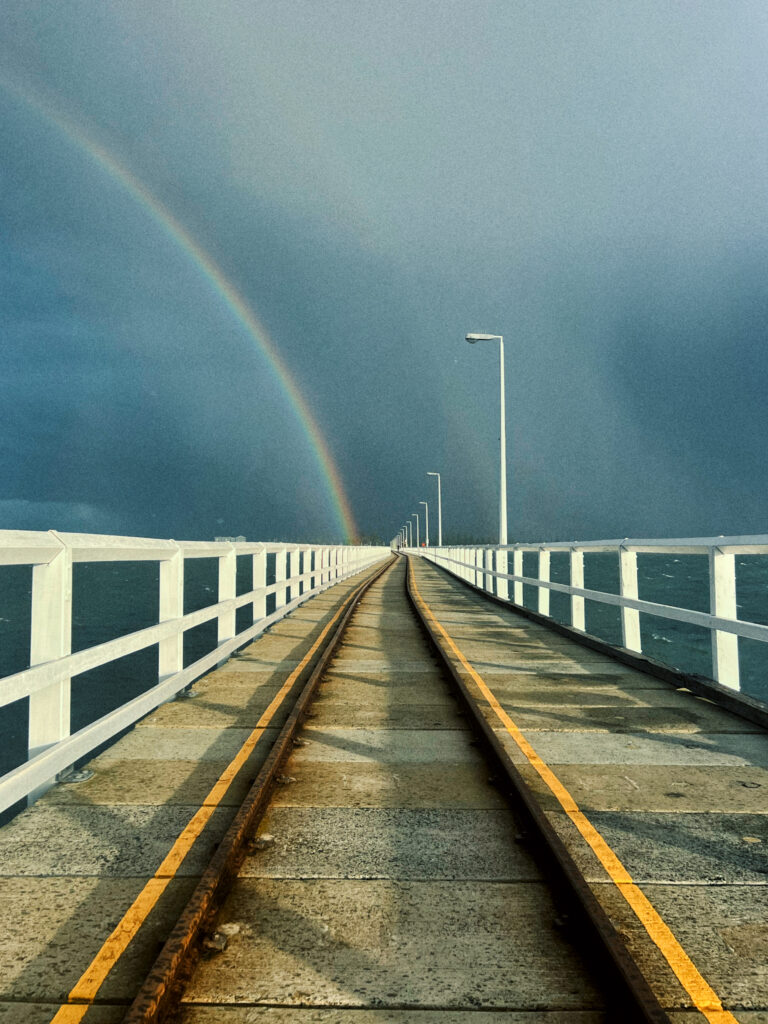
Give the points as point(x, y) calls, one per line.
point(487, 568)
point(300, 570)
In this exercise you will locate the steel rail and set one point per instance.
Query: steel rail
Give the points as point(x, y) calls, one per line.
point(572, 880)
point(163, 986)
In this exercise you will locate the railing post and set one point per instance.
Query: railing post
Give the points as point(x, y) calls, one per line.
point(51, 638)
point(630, 617)
point(280, 573)
point(259, 580)
point(304, 565)
point(578, 618)
point(170, 655)
point(544, 572)
point(488, 559)
point(722, 602)
point(294, 561)
point(517, 562)
point(502, 565)
point(227, 592)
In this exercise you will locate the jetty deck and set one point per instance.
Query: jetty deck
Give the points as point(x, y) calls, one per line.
point(396, 873)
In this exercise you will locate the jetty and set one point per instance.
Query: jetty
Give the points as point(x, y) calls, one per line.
point(394, 789)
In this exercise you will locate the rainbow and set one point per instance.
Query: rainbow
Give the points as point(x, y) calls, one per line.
point(224, 288)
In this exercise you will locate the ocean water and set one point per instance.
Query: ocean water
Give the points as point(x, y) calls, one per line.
point(111, 599)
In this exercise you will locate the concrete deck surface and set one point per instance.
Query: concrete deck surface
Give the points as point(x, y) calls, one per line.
point(675, 784)
point(72, 864)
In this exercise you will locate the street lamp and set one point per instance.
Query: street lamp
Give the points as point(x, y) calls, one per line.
point(409, 524)
point(439, 511)
point(502, 585)
point(472, 339)
point(426, 522)
point(416, 514)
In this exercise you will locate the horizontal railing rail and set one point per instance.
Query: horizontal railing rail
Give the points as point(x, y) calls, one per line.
point(299, 570)
point(486, 567)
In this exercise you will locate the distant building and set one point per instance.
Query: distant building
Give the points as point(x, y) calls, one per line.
point(231, 540)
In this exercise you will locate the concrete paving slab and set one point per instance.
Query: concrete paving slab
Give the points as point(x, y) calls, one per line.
point(363, 666)
point(348, 715)
point(477, 650)
point(230, 677)
point(395, 843)
point(688, 848)
point(519, 643)
point(360, 638)
point(723, 928)
point(411, 944)
point(578, 678)
point(689, 716)
point(376, 690)
point(162, 744)
point(382, 617)
point(116, 841)
point(43, 1013)
point(50, 935)
point(605, 668)
point(373, 785)
point(637, 748)
point(531, 690)
point(220, 709)
point(657, 788)
point(332, 1015)
point(386, 746)
point(139, 782)
point(254, 664)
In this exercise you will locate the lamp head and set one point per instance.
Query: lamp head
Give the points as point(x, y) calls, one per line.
point(473, 338)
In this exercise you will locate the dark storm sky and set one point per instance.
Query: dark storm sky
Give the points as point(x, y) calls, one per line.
point(377, 179)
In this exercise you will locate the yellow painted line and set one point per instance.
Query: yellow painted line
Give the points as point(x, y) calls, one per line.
point(82, 995)
point(702, 995)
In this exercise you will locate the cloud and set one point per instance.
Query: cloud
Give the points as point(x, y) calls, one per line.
point(68, 516)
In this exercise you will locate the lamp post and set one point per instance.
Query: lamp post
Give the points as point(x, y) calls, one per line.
point(409, 524)
point(439, 511)
point(426, 522)
point(502, 585)
point(416, 516)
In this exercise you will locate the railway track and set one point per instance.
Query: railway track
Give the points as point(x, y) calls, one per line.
point(388, 857)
